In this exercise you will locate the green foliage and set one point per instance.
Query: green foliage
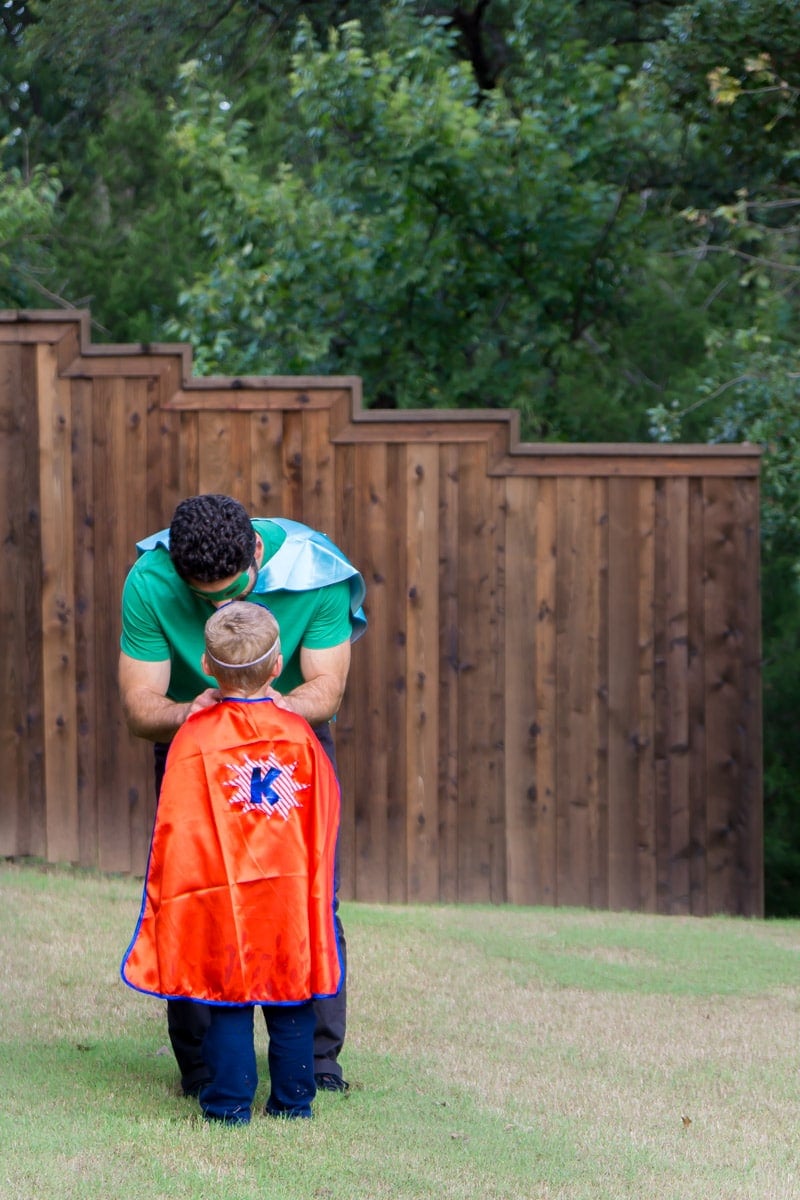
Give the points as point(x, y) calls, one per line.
point(781, 592)
point(26, 216)
point(128, 230)
point(735, 49)
point(451, 247)
point(766, 410)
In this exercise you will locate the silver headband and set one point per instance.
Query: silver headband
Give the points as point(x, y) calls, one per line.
point(239, 666)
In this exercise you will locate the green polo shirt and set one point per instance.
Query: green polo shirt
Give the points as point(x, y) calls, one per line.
point(162, 619)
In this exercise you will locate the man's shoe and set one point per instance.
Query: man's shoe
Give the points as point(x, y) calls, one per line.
point(192, 1087)
point(328, 1082)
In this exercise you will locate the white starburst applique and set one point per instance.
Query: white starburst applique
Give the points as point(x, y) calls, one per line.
point(265, 785)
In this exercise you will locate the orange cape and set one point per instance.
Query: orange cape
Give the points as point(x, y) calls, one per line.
point(238, 897)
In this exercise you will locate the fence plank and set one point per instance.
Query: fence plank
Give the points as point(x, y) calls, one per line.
point(266, 454)
point(58, 615)
point(395, 590)
point(647, 900)
point(481, 848)
point(241, 472)
point(34, 825)
point(220, 443)
point(14, 635)
point(292, 492)
point(189, 456)
point(661, 774)
point(422, 645)
point(135, 756)
point(546, 506)
point(349, 729)
point(625, 740)
point(522, 802)
point(698, 861)
point(116, 749)
point(599, 700)
point(371, 778)
point(86, 698)
point(581, 831)
point(496, 663)
point(246, 395)
point(319, 497)
point(165, 452)
point(677, 677)
point(449, 673)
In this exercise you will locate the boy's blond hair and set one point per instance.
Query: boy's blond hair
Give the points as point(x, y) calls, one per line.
point(243, 645)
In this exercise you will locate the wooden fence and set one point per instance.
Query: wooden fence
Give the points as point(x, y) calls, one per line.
point(557, 700)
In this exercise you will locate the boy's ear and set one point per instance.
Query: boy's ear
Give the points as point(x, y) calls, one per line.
point(278, 667)
point(205, 665)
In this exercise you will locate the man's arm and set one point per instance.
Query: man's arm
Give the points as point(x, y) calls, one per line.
point(148, 711)
point(318, 697)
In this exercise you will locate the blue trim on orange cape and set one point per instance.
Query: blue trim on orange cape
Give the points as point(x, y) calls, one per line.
point(307, 559)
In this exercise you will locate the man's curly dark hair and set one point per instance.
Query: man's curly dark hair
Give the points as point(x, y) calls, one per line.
point(211, 538)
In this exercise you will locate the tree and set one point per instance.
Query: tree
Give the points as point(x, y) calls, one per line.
point(453, 247)
point(747, 218)
point(26, 217)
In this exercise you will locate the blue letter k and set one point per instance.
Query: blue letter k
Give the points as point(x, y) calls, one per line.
point(261, 789)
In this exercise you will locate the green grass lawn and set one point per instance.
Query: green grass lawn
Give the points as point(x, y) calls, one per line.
point(492, 1053)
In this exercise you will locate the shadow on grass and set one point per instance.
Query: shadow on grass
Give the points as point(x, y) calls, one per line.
point(93, 1074)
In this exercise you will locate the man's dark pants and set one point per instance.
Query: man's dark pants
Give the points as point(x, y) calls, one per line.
point(187, 1020)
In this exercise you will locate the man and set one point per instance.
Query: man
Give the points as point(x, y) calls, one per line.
point(213, 553)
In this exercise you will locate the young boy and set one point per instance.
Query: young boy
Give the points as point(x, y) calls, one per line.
point(238, 899)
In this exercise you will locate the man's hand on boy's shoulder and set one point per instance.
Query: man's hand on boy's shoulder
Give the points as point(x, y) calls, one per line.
point(280, 700)
point(206, 699)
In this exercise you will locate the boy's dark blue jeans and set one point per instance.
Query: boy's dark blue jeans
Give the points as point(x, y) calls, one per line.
point(229, 1054)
